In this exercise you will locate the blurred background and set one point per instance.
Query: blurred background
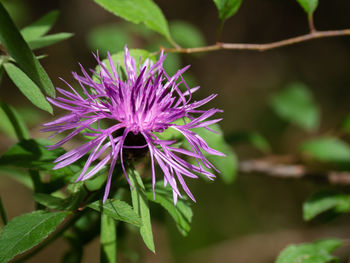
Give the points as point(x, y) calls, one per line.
point(256, 216)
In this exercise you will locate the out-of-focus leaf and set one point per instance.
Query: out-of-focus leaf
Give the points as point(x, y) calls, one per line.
point(227, 165)
point(181, 212)
point(327, 149)
point(26, 231)
point(108, 239)
point(12, 123)
point(40, 27)
point(3, 213)
point(18, 175)
point(251, 137)
point(11, 38)
point(172, 63)
point(227, 8)
point(118, 210)
point(324, 201)
point(316, 252)
point(345, 126)
point(309, 6)
point(139, 11)
point(295, 104)
point(140, 204)
point(48, 40)
point(186, 34)
point(139, 55)
point(107, 38)
point(27, 87)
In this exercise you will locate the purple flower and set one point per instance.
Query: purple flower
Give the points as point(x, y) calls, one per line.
point(139, 108)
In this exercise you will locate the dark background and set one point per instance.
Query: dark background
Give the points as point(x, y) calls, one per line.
point(255, 217)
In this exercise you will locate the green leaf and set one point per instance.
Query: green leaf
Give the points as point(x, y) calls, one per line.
point(327, 149)
point(250, 137)
point(140, 204)
point(118, 210)
point(345, 126)
point(309, 6)
point(18, 175)
point(324, 201)
point(227, 165)
point(139, 11)
point(139, 55)
point(108, 239)
point(27, 87)
point(316, 252)
point(295, 104)
point(227, 8)
point(70, 203)
point(186, 34)
point(26, 231)
point(107, 38)
point(11, 38)
point(12, 122)
point(40, 27)
point(48, 40)
point(181, 212)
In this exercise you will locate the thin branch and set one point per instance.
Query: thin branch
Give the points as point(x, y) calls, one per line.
point(261, 47)
point(293, 171)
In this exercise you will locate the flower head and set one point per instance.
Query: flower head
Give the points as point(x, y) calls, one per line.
point(140, 107)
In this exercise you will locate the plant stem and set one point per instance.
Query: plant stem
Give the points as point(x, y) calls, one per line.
point(261, 47)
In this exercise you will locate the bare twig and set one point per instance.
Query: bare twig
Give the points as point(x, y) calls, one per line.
point(294, 171)
point(262, 47)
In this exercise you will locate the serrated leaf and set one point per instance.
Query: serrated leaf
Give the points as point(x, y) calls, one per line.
point(18, 49)
point(140, 204)
point(108, 239)
point(27, 87)
point(48, 40)
point(139, 11)
point(295, 104)
point(12, 122)
point(118, 210)
point(316, 252)
point(250, 137)
point(26, 231)
point(227, 165)
point(327, 149)
point(181, 212)
point(227, 8)
point(324, 201)
point(309, 6)
point(186, 34)
point(40, 27)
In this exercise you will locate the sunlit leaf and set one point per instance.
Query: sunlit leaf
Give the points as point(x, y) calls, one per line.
point(227, 8)
point(48, 40)
point(295, 104)
point(17, 48)
point(325, 201)
point(27, 87)
point(327, 149)
point(316, 252)
point(139, 11)
point(40, 27)
point(26, 231)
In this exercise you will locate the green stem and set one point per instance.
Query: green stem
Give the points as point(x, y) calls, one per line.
point(53, 237)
